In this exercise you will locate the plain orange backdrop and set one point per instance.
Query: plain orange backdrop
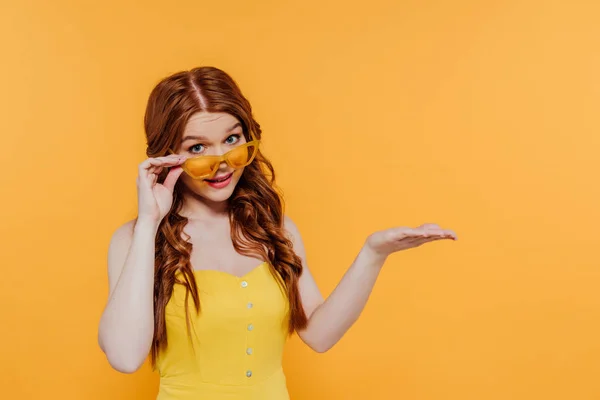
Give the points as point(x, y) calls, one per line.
point(481, 116)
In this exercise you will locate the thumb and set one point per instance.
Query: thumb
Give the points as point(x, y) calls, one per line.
point(172, 177)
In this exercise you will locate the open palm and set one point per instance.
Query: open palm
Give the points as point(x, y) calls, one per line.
point(396, 239)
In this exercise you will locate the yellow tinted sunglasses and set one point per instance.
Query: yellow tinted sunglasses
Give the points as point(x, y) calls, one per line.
point(205, 167)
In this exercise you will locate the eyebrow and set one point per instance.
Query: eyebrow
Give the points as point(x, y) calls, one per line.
point(191, 137)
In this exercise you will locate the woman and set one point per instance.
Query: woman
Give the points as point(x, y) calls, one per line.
point(211, 277)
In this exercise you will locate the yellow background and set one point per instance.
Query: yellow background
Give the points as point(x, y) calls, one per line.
point(481, 116)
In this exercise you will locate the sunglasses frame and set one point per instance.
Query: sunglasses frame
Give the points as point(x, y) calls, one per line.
point(223, 157)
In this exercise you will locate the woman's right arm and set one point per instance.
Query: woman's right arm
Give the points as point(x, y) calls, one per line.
point(127, 324)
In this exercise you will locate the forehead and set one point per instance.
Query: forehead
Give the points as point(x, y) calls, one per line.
point(210, 125)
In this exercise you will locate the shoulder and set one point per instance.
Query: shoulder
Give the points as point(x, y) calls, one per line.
point(289, 225)
point(292, 229)
point(122, 234)
point(293, 233)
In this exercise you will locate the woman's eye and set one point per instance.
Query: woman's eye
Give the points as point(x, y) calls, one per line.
point(233, 139)
point(197, 148)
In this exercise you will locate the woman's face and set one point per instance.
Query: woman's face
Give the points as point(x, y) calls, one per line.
point(212, 134)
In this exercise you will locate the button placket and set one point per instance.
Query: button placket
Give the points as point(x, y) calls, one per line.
point(249, 348)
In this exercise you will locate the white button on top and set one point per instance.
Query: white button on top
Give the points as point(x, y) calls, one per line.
point(244, 284)
point(248, 374)
point(249, 351)
point(250, 305)
point(250, 327)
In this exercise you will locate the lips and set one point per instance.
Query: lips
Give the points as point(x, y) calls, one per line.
point(221, 178)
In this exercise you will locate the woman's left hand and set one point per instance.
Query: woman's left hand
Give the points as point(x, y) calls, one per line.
point(384, 243)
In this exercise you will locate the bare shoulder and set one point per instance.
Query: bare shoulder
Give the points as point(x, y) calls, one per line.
point(118, 249)
point(122, 236)
point(294, 234)
point(290, 226)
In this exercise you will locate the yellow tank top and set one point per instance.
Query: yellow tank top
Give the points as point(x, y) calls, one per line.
point(237, 340)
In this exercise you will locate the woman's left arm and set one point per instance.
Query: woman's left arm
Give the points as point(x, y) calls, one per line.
point(329, 320)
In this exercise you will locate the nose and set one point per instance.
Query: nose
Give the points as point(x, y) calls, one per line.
point(223, 166)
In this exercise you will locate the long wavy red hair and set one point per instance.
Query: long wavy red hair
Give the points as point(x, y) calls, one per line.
point(255, 207)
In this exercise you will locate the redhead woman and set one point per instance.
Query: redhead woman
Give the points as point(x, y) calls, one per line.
point(211, 277)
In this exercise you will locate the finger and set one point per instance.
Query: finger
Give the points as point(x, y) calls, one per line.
point(152, 172)
point(403, 232)
point(420, 232)
point(146, 182)
point(438, 232)
point(422, 241)
point(423, 231)
point(172, 177)
point(157, 160)
point(429, 226)
point(433, 232)
point(451, 234)
point(152, 166)
point(155, 170)
point(167, 161)
point(445, 233)
point(442, 233)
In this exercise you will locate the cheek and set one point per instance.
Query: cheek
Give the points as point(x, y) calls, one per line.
point(237, 174)
point(194, 185)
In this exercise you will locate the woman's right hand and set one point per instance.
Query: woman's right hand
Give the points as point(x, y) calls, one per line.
point(155, 199)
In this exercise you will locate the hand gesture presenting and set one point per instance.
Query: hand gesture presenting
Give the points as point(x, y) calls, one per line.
point(155, 199)
point(386, 242)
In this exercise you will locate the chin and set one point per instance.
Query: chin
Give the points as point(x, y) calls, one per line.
point(217, 195)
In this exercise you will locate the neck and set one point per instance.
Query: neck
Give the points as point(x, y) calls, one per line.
point(198, 208)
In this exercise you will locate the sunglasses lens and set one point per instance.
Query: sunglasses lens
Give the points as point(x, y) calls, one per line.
point(242, 156)
point(200, 167)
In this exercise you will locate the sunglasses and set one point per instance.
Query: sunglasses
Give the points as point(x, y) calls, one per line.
point(205, 167)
